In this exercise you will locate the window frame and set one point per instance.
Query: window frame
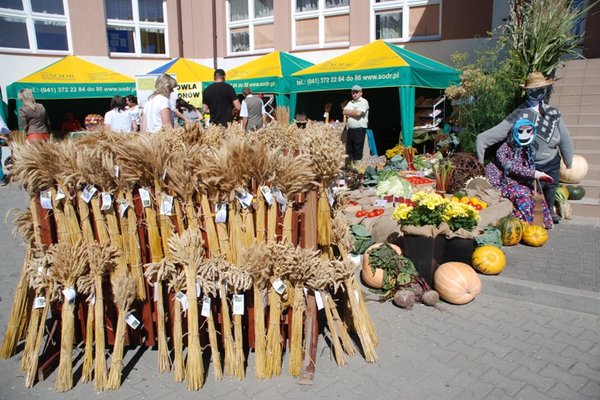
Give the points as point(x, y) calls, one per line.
point(251, 22)
point(138, 26)
point(321, 13)
point(31, 17)
point(404, 7)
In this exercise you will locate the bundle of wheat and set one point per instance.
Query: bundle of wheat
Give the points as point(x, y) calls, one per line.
point(102, 261)
point(276, 291)
point(86, 285)
point(239, 279)
point(69, 262)
point(177, 286)
point(188, 250)
point(208, 275)
point(124, 294)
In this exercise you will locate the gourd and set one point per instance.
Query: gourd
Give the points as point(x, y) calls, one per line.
point(576, 173)
point(511, 230)
point(535, 235)
point(456, 282)
point(374, 280)
point(576, 192)
point(489, 260)
point(563, 190)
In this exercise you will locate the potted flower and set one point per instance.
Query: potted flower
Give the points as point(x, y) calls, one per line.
point(427, 220)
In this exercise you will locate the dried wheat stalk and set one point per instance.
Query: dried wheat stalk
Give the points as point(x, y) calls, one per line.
point(208, 274)
point(124, 295)
point(176, 284)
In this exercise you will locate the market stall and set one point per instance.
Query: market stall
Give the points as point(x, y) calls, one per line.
point(190, 76)
point(377, 65)
point(73, 78)
point(268, 74)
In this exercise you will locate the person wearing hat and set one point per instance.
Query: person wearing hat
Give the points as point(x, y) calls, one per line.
point(218, 99)
point(357, 112)
point(552, 139)
point(513, 171)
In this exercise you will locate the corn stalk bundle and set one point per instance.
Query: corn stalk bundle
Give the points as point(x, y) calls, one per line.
point(209, 275)
point(156, 273)
point(239, 280)
point(297, 267)
point(188, 250)
point(19, 313)
point(69, 262)
point(102, 259)
point(40, 281)
point(123, 288)
point(256, 259)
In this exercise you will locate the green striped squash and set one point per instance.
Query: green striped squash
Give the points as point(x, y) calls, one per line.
point(511, 230)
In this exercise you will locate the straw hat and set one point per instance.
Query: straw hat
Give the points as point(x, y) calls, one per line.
point(536, 80)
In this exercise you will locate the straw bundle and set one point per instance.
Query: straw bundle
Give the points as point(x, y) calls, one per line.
point(41, 282)
point(86, 285)
point(124, 294)
point(69, 262)
point(188, 250)
point(240, 280)
point(19, 312)
point(102, 261)
point(208, 274)
point(156, 273)
point(176, 284)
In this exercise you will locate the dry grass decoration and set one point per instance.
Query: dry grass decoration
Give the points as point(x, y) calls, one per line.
point(69, 262)
point(176, 284)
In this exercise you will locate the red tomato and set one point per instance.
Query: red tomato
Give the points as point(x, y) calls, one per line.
point(353, 203)
point(372, 214)
point(478, 207)
point(379, 211)
point(360, 213)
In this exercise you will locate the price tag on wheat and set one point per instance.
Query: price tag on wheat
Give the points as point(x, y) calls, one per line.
point(46, 200)
point(280, 199)
point(244, 198)
point(166, 205)
point(59, 194)
point(183, 299)
point(88, 193)
point(145, 197)
point(70, 295)
point(123, 205)
point(205, 311)
point(238, 304)
point(106, 201)
point(39, 302)
point(132, 321)
point(266, 192)
point(221, 212)
point(279, 285)
point(319, 300)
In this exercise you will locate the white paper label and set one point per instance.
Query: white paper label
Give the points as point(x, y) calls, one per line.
point(330, 197)
point(357, 294)
point(238, 304)
point(123, 205)
point(205, 311)
point(132, 321)
point(280, 199)
point(319, 300)
point(106, 201)
point(46, 200)
point(145, 196)
point(266, 192)
point(88, 193)
point(70, 295)
point(182, 297)
point(279, 286)
point(59, 194)
point(244, 198)
point(93, 299)
point(221, 212)
point(117, 170)
point(39, 302)
point(198, 288)
point(342, 182)
point(380, 203)
point(155, 294)
point(166, 205)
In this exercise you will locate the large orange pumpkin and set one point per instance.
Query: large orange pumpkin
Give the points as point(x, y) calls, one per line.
point(374, 280)
point(456, 282)
point(576, 173)
point(534, 235)
point(488, 260)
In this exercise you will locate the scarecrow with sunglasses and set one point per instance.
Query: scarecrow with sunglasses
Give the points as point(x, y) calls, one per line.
point(552, 134)
point(513, 171)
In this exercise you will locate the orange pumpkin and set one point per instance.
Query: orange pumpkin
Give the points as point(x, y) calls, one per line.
point(456, 282)
point(374, 280)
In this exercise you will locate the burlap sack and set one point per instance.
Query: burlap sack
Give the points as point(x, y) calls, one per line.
point(497, 208)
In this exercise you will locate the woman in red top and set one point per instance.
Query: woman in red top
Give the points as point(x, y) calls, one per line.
point(70, 124)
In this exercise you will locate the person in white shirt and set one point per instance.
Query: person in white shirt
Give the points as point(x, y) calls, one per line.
point(357, 111)
point(118, 118)
point(134, 111)
point(157, 111)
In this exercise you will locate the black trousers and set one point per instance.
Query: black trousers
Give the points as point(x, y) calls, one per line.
point(355, 142)
point(552, 168)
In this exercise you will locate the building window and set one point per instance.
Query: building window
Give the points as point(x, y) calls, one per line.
point(406, 20)
point(39, 26)
point(320, 23)
point(250, 26)
point(136, 27)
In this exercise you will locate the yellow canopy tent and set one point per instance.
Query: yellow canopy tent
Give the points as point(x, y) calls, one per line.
point(190, 76)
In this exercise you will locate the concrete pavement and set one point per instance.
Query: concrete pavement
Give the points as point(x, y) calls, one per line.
point(497, 347)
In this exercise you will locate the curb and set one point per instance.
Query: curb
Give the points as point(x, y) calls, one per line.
point(550, 295)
